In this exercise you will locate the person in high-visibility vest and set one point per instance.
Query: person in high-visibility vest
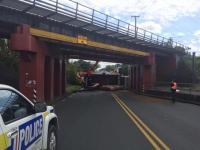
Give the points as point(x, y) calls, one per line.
point(173, 86)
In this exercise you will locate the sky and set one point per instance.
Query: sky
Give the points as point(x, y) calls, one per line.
point(178, 19)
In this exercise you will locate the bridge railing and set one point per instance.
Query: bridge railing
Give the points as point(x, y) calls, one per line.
point(107, 24)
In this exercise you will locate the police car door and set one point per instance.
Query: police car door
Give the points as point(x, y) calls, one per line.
point(22, 126)
point(2, 137)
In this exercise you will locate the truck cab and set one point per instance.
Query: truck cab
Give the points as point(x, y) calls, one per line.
point(26, 125)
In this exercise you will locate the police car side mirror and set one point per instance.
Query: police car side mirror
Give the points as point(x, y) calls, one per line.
point(40, 107)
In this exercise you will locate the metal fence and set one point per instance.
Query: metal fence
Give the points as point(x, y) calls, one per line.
point(91, 19)
point(186, 88)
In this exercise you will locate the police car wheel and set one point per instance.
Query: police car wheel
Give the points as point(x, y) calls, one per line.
point(52, 138)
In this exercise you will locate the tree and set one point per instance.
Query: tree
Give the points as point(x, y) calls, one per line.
point(122, 67)
point(184, 73)
point(197, 67)
point(84, 65)
point(8, 64)
point(7, 57)
point(71, 74)
point(78, 66)
point(169, 43)
point(109, 68)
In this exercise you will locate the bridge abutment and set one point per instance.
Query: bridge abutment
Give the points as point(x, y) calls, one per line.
point(39, 69)
point(135, 77)
point(149, 72)
point(49, 78)
point(157, 69)
point(166, 66)
point(143, 76)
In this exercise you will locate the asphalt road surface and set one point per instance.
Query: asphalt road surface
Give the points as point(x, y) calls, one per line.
point(123, 121)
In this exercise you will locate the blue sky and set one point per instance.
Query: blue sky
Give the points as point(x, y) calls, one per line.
point(179, 19)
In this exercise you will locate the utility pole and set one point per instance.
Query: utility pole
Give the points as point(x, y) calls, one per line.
point(135, 17)
point(193, 67)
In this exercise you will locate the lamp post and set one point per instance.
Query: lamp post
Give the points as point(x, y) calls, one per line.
point(193, 67)
point(135, 17)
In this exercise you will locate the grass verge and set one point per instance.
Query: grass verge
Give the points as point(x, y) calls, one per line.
point(72, 88)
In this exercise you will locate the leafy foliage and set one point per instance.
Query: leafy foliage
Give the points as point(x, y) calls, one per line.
point(169, 43)
point(8, 64)
point(77, 66)
point(72, 88)
point(109, 68)
point(82, 65)
point(197, 67)
point(7, 57)
point(122, 67)
point(72, 70)
point(184, 71)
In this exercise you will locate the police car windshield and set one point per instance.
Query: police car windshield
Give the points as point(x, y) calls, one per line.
point(5, 99)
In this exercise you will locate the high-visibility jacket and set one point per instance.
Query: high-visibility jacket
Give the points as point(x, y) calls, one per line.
point(174, 86)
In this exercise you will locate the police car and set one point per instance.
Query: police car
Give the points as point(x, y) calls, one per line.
point(25, 125)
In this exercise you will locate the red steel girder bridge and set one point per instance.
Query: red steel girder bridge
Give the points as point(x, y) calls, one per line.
point(47, 33)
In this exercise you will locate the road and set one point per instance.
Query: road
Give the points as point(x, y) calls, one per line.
point(124, 121)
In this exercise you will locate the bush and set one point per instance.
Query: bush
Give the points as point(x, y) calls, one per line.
point(9, 61)
point(71, 74)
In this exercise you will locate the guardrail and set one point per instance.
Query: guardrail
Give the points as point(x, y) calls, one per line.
point(184, 88)
point(181, 97)
point(187, 92)
point(85, 14)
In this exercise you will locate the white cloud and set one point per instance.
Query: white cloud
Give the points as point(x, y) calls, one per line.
point(155, 15)
point(160, 11)
point(194, 47)
point(196, 39)
point(151, 26)
point(197, 34)
point(194, 43)
point(180, 34)
point(177, 36)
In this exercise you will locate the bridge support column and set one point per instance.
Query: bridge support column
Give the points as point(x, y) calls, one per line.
point(135, 77)
point(131, 77)
point(142, 76)
point(31, 74)
point(149, 72)
point(31, 63)
point(49, 78)
point(63, 77)
point(139, 79)
point(40, 68)
point(58, 77)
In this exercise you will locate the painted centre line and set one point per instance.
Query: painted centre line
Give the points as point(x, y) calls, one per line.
point(154, 140)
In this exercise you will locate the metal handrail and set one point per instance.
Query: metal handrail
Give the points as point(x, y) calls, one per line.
point(105, 21)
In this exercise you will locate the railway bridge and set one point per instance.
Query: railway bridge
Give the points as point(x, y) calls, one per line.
point(48, 33)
